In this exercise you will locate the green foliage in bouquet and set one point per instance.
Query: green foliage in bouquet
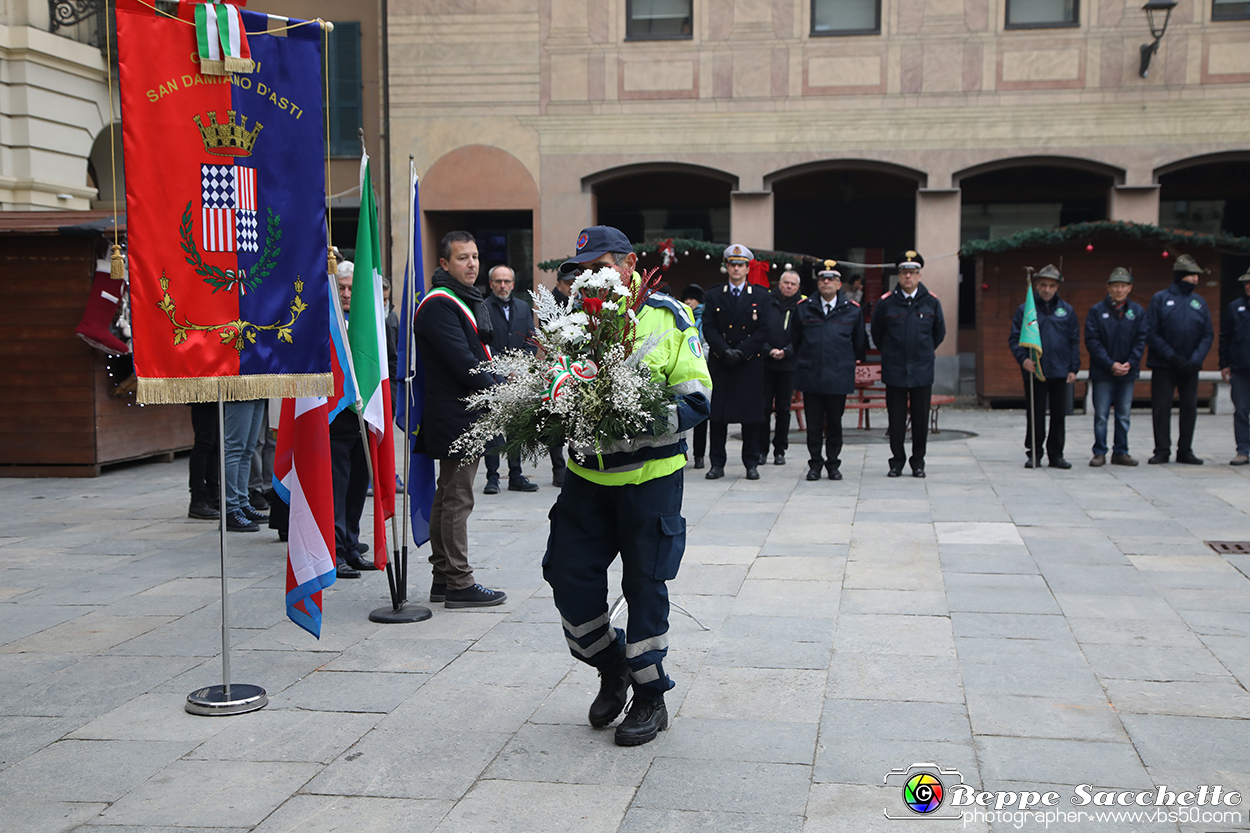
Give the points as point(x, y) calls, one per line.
point(588, 385)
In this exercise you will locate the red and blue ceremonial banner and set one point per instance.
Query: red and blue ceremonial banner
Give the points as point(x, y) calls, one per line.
point(301, 477)
point(225, 202)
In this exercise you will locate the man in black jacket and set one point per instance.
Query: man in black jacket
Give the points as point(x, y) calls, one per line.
point(1235, 368)
point(1179, 333)
point(736, 320)
point(907, 327)
point(1060, 332)
point(452, 328)
point(779, 365)
point(1115, 337)
point(829, 336)
point(512, 323)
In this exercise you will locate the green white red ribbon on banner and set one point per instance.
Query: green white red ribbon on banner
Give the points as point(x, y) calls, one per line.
point(562, 371)
point(221, 39)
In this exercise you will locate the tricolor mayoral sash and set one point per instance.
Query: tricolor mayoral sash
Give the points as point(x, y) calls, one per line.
point(225, 204)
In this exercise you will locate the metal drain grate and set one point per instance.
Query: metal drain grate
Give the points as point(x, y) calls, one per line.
point(1230, 547)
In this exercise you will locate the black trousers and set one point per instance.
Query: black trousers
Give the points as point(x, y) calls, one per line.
point(590, 525)
point(899, 402)
point(350, 475)
point(824, 421)
point(751, 433)
point(700, 440)
point(778, 391)
point(204, 465)
point(1052, 394)
point(1163, 382)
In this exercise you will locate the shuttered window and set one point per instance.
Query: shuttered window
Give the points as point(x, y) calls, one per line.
point(344, 110)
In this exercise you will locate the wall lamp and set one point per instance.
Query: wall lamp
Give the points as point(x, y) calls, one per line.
point(1156, 30)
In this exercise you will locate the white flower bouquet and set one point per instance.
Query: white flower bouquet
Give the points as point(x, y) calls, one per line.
point(587, 386)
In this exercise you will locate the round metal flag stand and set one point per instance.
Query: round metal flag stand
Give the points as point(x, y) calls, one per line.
point(225, 698)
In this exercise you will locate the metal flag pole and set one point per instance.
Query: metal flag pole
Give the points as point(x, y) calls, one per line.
point(400, 611)
point(226, 698)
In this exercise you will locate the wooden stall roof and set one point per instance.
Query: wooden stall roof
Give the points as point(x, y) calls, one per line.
point(69, 223)
point(1001, 282)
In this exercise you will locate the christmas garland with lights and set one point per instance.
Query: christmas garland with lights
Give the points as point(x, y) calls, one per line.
point(1084, 232)
point(686, 247)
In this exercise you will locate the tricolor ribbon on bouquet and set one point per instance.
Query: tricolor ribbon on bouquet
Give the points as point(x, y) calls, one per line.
point(564, 369)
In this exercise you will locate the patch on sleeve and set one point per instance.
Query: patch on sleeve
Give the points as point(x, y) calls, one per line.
point(695, 346)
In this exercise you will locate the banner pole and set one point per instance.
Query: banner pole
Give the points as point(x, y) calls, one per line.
point(1032, 423)
point(399, 611)
point(225, 698)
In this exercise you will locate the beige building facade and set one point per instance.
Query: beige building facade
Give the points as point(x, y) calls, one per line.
point(54, 107)
point(753, 125)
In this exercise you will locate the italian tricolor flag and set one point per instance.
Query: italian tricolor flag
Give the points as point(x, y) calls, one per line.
point(366, 333)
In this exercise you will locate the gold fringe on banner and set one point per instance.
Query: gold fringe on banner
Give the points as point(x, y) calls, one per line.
point(244, 65)
point(209, 67)
point(173, 391)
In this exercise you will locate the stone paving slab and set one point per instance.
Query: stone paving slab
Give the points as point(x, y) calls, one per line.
point(1032, 629)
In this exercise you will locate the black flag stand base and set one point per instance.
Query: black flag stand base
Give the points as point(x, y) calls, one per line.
point(399, 612)
point(222, 700)
point(390, 616)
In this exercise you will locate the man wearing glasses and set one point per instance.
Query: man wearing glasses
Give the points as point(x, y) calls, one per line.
point(736, 322)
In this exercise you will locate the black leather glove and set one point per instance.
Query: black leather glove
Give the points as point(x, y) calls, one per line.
point(731, 357)
point(1192, 366)
point(1178, 361)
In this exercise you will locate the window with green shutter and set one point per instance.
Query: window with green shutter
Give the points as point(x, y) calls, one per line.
point(344, 110)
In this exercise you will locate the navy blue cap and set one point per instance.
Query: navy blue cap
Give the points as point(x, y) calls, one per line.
point(595, 242)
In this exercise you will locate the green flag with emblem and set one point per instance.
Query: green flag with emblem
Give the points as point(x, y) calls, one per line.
point(1030, 335)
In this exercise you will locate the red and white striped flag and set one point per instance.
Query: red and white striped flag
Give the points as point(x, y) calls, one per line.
point(302, 478)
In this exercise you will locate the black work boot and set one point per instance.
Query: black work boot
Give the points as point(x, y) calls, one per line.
point(613, 693)
point(646, 719)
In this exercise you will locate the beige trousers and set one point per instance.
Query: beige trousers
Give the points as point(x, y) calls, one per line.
point(449, 523)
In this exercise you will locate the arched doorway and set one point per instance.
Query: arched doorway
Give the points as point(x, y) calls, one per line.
point(1210, 194)
point(656, 201)
point(101, 171)
point(490, 193)
point(847, 210)
point(1008, 196)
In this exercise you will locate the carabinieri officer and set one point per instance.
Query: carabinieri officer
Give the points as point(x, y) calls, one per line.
point(907, 326)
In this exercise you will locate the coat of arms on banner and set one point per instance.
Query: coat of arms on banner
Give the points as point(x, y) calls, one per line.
point(226, 210)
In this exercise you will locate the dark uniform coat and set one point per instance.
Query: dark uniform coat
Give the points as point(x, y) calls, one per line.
point(516, 332)
point(828, 346)
point(1115, 335)
point(1235, 337)
point(1060, 332)
point(908, 331)
point(1179, 330)
point(781, 333)
point(738, 324)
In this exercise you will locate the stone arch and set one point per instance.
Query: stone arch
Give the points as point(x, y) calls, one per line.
point(598, 178)
point(478, 178)
point(825, 165)
point(100, 172)
point(1076, 163)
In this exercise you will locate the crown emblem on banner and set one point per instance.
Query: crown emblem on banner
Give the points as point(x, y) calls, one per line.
point(229, 139)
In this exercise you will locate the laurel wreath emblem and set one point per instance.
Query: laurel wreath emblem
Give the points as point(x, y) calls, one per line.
point(225, 278)
point(238, 333)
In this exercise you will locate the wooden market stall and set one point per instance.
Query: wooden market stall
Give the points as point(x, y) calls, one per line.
point(61, 415)
point(1088, 252)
